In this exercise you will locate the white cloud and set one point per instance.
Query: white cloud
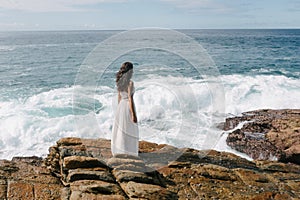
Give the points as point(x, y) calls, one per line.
point(50, 5)
point(194, 5)
point(12, 26)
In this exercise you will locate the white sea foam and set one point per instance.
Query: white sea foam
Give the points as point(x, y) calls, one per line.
point(166, 114)
point(244, 93)
point(222, 146)
point(7, 48)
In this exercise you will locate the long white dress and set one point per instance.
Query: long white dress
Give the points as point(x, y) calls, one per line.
point(125, 134)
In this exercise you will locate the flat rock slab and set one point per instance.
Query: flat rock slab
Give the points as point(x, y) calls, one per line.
point(69, 141)
point(146, 191)
point(78, 174)
point(133, 167)
point(90, 196)
point(140, 177)
point(114, 162)
point(95, 187)
point(74, 162)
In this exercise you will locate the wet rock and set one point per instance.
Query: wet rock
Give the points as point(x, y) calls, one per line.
point(267, 134)
point(255, 145)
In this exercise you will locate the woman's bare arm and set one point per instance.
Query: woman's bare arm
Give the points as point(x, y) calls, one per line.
point(119, 97)
point(131, 103)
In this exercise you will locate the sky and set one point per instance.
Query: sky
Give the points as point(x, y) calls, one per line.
point(129, 14)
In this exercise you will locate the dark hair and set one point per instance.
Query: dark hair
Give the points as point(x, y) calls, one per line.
point(122, 77)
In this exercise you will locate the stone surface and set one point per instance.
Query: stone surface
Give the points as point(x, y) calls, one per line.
point(74, 162)
point(90, 196)
point(147, 191)
point(92, 174)
point(96, 187)
point(114, 162)
point(267, 134)
point(85, 169)
point(127, 175)
point(20, 190)
point(3, 188)
point(28, 178)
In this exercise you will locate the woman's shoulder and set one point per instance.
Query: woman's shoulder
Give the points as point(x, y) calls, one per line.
point(131, 83)
point(131, 87)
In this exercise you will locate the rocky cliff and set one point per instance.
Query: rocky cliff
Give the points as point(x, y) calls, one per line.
point(84, 169)
point(267, 134)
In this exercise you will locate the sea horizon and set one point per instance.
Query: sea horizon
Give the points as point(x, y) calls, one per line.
point(177, 29)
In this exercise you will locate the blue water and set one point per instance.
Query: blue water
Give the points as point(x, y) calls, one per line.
point(258, 69)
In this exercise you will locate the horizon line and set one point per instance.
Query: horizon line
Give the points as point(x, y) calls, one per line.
point(49, 30)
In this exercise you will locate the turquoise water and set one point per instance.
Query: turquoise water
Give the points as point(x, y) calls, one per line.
point(258, 69)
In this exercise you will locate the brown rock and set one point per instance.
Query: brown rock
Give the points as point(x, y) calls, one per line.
point(285, 135)
point(32, 180)
point(146, 191)
point(114, 162)
point(267, 135)
point(8, 167)
point(3, 188)
point(95, 187)
point(69, 141)
point(79, 174)
point(270, 196)
point(44, 191)
point(146, 147)
point(20, 190)
point(274, 166)
point(32, 160)
point(84, 147)
point(193, 174)
point(65, 193)
point(78, 150)
point(89, 196)
point(216, 172)
point(133, 167)
point(74, 162)
point(253, 144)
point(251, 177)
point(126, 176)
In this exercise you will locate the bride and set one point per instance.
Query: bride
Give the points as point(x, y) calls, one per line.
point(125, 134)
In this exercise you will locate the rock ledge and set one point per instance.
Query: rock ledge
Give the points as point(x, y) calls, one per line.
point(84, 169)
point(267, 134)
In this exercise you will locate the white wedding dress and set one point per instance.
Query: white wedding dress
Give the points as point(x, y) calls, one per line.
point(125, 134)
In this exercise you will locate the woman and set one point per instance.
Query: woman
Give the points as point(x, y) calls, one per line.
point(125, 135)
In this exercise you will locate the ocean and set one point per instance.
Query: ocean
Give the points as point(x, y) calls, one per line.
point(40, 102)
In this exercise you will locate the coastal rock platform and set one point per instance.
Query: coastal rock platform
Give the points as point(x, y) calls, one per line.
point(267, 134)
point(85, 169)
